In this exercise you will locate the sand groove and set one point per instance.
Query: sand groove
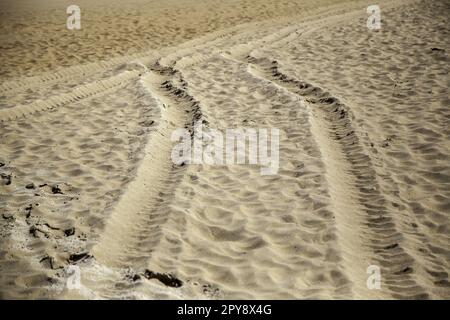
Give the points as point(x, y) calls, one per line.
point(75, 72)
point(137, 221)
point(80, 92)
point(366, 230)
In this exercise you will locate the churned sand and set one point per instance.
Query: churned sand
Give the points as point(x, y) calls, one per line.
point(87, 179)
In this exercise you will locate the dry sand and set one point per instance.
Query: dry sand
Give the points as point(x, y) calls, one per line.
point(85, 151)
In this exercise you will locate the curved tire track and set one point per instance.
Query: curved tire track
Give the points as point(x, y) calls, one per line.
point(136, 223)
point(77, 94)
point(366, 229)
point(60, 75)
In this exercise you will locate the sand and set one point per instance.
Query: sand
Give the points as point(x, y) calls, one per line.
point(87, 179)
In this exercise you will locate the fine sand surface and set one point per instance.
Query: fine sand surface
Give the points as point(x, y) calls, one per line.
point(87, 179)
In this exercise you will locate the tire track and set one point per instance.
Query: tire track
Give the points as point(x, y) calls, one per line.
point(136, 224)
point(366, 230)
point(244, 42)
point(63, 74)
point(82, 71)
point(332, 16)
point(77, 94)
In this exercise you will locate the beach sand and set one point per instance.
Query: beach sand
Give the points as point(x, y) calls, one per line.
point(88, 182)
